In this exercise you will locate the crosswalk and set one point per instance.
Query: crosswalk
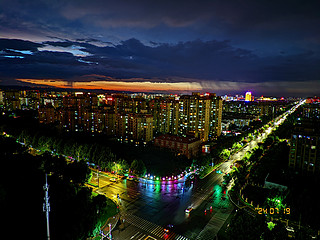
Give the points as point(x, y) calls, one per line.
point(213, 226)
point(151, 228)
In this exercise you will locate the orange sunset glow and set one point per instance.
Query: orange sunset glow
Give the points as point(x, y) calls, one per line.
point(135, 86)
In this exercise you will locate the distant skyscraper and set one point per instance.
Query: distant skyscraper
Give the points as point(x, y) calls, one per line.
point(248, 97)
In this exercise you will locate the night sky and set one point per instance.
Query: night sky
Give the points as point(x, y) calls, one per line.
point(227, 47)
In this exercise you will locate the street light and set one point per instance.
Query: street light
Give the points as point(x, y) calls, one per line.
point(98, 176)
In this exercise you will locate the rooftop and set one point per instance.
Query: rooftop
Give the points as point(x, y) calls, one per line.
point(174, 138)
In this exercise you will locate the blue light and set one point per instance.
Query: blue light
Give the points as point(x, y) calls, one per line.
point(13, 56)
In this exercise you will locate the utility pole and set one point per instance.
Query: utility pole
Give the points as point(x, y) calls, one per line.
point(46, 205)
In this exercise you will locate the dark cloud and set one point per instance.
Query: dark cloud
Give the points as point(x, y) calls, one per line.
point(245, 41)
point(59, 44)
point(210, 60)
point(244, 21)
point(18, 44)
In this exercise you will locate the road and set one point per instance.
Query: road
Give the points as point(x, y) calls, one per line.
point(148, 206)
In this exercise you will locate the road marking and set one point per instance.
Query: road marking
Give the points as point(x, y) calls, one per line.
point(134, 235)
point(142, 237)
point(148, 226)
point(149, 237)
point(157, 229)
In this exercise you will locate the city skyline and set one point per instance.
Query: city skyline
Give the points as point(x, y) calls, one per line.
point(181, 47)
point(203, 158)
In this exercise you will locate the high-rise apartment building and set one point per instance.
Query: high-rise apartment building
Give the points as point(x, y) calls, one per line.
point(134, 126)
point(47, 114)
point(126, 104)
point(165, 113)
point(215, 116)
point(99, 120)
point(140, 127)
point(200, 116)
point(311, 110)
point(121, 126)
point(1, 98)
point(304, 153)
point(191, 115)
point(11, 100)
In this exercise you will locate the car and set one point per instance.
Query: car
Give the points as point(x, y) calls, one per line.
point(168, 228)
point(189, 209)
point(113, 179)
point(130, 178)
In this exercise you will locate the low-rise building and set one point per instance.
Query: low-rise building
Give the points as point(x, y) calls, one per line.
point(188, 146)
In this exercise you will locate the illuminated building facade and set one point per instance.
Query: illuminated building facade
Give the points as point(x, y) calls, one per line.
point(248, 97)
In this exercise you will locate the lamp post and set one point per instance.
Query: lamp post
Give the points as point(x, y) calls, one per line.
point(110, 236)
point(98, 177)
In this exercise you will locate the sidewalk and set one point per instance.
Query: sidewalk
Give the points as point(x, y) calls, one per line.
point(111, 220)
point(105, 229)
point(241, 204)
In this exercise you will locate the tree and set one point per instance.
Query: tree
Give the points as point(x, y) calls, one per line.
point(77, 172)
point(278, 232)
point(236, 146)
point(239, 175)
point(225, 153)
point(302, 234)
point(138, 167)
point(246, 227)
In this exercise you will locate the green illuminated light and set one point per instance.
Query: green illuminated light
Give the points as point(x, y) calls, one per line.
point(271, 225)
